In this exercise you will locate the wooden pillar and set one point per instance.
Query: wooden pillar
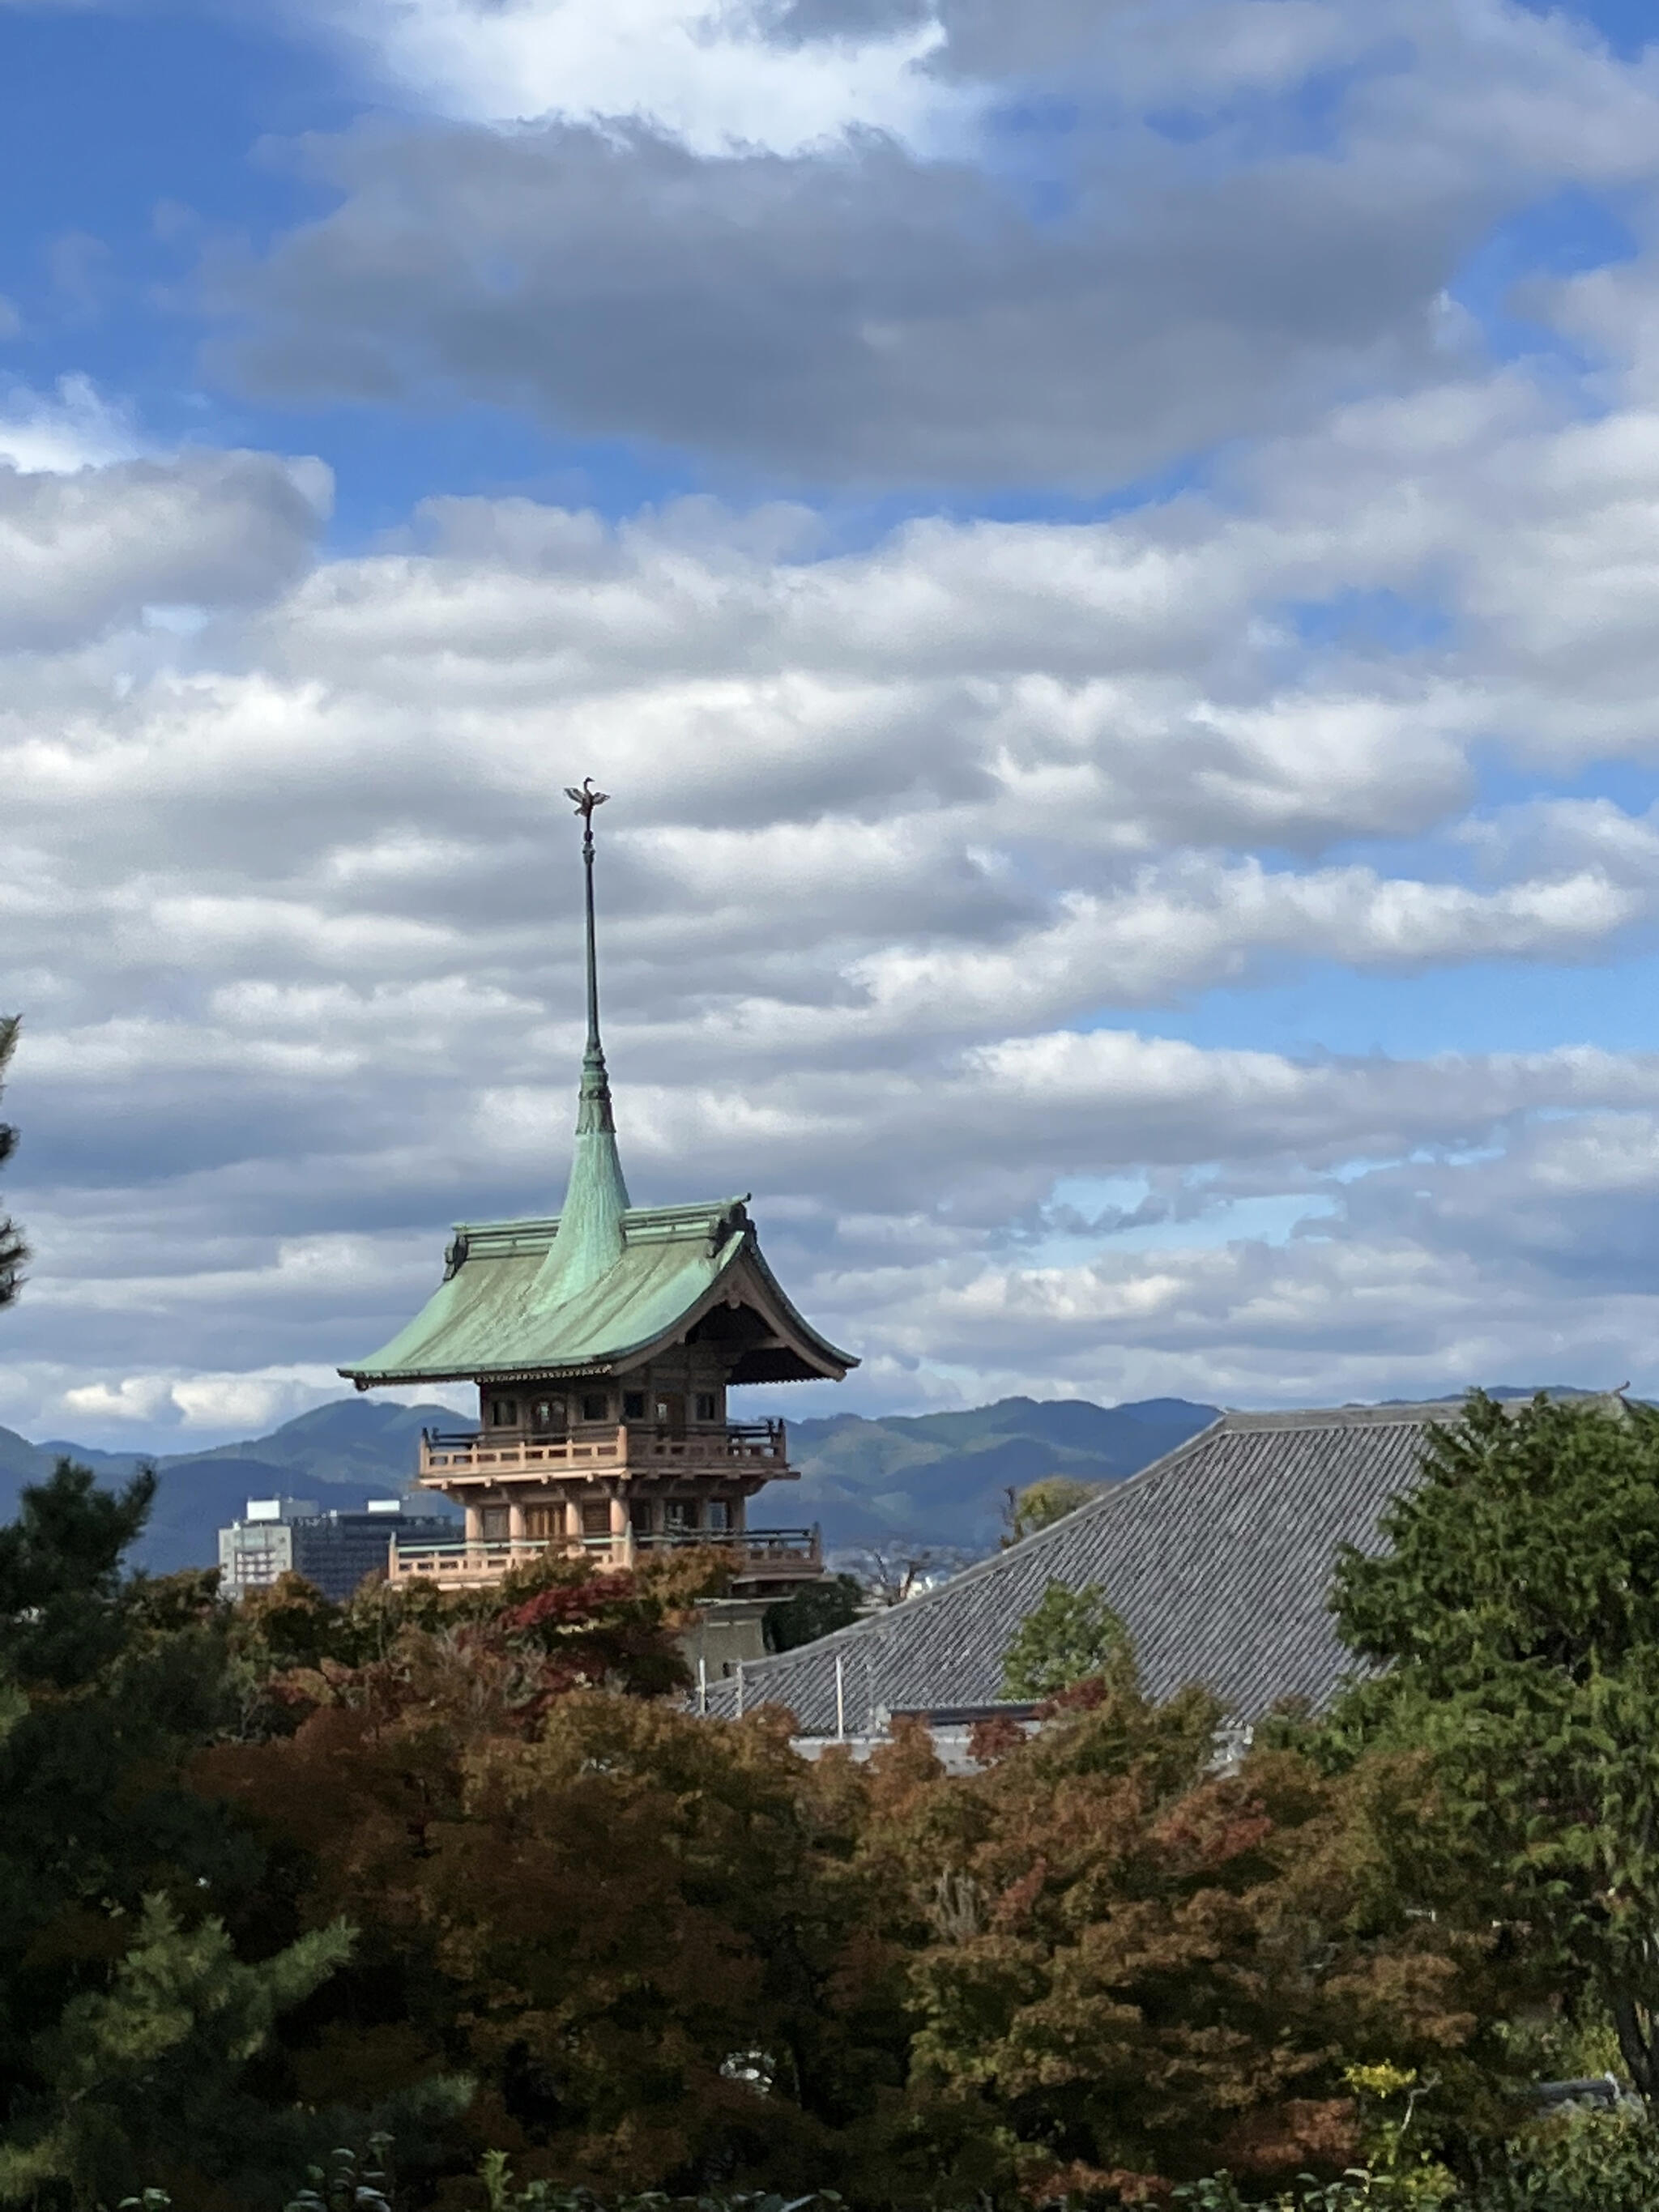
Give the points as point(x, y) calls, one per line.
point(474, 1525)
point(622, 1532)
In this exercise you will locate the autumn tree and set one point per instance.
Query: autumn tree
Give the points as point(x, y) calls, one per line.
point(13, 1251)
point(1516, 1613)
point(1130, 1969)
point(642, 1934)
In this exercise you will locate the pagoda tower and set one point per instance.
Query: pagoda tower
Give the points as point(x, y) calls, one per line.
point(603, 1343)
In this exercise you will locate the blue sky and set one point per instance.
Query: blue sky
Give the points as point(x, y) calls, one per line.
point(1107, 552)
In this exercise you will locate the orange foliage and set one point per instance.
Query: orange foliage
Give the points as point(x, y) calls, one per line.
point(642, 1933)
point(1138, 1970)
point(672, 1954)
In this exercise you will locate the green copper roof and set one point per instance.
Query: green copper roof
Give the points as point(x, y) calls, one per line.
point(504, 1309)
point(603, 1284)
point(589, 1240)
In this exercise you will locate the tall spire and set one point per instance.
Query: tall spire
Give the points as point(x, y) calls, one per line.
point(590, 1238)
point(594, 1110)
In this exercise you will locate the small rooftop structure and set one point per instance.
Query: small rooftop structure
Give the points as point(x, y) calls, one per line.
point(1217, 1558)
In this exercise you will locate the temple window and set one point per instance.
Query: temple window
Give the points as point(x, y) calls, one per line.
point(706, 1406)
point(596, 1519)
point(494, 1524)
point(547, 1414)
point(503, 1412)
point(633, 1405)
point(638, 1516)
point(543, 1523)
point(718, 1514)
point(682, 1513)
point(596, 1406)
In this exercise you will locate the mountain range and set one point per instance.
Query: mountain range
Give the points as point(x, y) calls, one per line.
point(942, 1479)
point(339, 1454)
point(929, 1481)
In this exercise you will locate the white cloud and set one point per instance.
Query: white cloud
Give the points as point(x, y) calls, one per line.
point(181, 1409)
point(916, 842)
point(144, 1398)
point(976, 303)
point(675, 61)
point(75, 428)
point(82, 549)
point(890, 824)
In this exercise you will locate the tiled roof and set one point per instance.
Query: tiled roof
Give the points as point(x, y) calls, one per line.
point(1218, 1557)
point(505, 1308)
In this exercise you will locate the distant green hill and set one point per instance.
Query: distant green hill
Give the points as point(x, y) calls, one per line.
point(941, 1479)
point(932, 1479)
point(340, 1454)
point(927, 1479)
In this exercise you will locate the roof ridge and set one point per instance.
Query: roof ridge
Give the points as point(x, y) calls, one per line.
point(695, 1209)
point(1237, 1421)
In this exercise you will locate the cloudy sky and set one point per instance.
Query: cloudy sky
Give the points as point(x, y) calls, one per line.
point(1106, 549)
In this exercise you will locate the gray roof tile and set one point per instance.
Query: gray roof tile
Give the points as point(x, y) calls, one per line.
point(1218, 1557)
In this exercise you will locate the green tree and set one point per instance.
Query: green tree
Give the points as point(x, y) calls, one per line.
point(1040, 1504)
point(1068, 1636)
point(62, 1614)
point(135, 2014)
point(1516, 1613)
point(13, 1250)
point(142, 2076)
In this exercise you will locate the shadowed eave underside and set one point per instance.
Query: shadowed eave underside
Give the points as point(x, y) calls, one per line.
point(501, 1314)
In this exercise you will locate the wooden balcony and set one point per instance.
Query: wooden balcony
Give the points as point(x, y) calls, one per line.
point(641, 1446)
point(759, 1556)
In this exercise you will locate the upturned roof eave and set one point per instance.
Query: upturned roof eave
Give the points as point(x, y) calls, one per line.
point(831, 1355)
point(811, 1349)
point(743, 1252)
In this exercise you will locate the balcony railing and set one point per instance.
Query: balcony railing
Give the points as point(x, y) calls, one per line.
point(757, 1544)
point(778, 1554)
point(467, 1566)
point(492, 1455)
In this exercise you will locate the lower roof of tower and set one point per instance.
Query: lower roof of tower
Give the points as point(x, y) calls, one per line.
point(684, 1272)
